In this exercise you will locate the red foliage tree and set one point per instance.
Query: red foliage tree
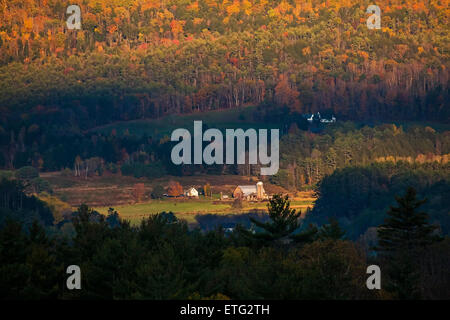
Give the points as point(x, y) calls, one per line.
point(175, 189)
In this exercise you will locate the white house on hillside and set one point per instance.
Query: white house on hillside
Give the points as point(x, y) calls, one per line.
point(318, 117)
point(332, 120)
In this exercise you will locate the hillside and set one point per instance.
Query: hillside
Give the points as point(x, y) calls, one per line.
point(135, 59)
point(338, 189)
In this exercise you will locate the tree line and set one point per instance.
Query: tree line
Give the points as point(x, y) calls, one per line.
point(308, 152)
point(359, 196)
point(162, 259)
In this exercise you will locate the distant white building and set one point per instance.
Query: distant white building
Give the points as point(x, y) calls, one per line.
point(229, 230)
point(191, 193)
point(317, 116)
point(332, 120)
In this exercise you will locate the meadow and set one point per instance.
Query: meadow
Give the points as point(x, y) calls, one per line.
point(188, 209)
point(158, 128)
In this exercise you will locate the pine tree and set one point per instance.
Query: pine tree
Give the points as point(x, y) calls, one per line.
point(406, 228)
point(400, 238)
point(307, 236)
point(283, 221)
point(331, 231)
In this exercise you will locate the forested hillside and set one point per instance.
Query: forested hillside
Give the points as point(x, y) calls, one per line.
point(359, 197)
point(89, 112)
point(306, 157)
point(145, 58)
point(161, 259)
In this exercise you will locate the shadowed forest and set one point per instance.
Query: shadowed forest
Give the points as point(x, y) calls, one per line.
point(162, 259)
point(84, 110)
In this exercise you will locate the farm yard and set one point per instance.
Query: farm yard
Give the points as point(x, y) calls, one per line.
point(115, 189)
point(118, 192)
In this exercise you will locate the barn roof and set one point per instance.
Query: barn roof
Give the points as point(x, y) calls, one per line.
point(248, 190)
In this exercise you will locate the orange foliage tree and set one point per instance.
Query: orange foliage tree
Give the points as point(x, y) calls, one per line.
point(175, 189)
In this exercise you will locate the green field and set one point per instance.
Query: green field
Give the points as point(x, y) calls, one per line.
point(158, 128)
point(188, 209)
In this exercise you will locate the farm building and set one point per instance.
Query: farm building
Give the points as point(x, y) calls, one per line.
point(317, 116)
point(252, 192)
point(191, 193)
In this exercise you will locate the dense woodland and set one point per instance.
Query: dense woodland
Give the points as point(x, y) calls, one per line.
point(162, 259)
point(359, 197)
point(145, 58)
point(150, 59)
point(305, 157)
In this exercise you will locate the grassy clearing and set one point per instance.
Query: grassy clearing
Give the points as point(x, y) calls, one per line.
point(158, 128)
point(137, 212)
point(188, 209)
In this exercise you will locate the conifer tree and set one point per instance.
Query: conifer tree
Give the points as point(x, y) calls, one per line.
point(406, 228)
point(403, 234)
point(283, 221)
point(331, 231)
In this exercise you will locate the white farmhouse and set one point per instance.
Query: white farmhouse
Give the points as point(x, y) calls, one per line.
point(191, 193)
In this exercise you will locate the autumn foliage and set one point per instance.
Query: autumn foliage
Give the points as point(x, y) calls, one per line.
point(211, 54)
point(174, 189)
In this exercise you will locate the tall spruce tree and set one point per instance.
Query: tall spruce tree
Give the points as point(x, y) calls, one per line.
point(332, 230)
point(406, 228)
point(283, 222)
point(404, 233)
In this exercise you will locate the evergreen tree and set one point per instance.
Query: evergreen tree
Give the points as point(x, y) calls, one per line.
point(283, 221)
point(158, 192)
point(406, 228)
point(307, 236)
point(404, 233)
point(331, 231)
